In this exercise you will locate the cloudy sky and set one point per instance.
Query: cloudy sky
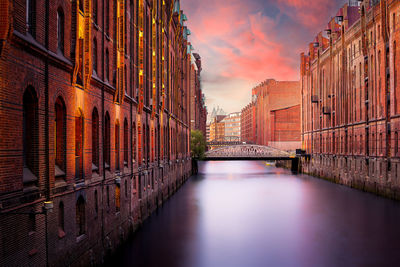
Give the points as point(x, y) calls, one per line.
point(244, 42)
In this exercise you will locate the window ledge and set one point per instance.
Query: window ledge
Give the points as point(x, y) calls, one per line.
point(28, 176)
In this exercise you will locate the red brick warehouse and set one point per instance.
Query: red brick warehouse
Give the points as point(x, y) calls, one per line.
point(350, 98)
point(273, 117)
point(94, 117)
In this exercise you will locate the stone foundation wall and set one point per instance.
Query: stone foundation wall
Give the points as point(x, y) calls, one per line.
point(376, 175)
point(106, 227)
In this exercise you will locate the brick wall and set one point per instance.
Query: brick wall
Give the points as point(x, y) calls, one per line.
point(34, 62)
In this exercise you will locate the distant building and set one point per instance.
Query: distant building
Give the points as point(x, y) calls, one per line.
point(208, 133)
point(217, 129)
point(198, 110)
point(232, 127)
point(216, 112)
point(271, 99)
point(274, 115)
point(247, 124)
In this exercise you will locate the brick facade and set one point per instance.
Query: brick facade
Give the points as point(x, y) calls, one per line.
point(350, 91)
point(198, 114)
point(286, 128)
point(247, 123)
point(94, 117)
point(272, 98)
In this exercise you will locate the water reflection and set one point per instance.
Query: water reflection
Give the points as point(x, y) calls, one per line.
point(251, 214)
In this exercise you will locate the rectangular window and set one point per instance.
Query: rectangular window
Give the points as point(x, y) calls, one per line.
point(31, 17)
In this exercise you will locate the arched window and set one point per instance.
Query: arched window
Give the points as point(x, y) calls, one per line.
point(94, 55)
point(60, 139)
point(126, 142)
point(117, 145)
point(107, 141)
point(117, 198)
point(80, 216)
point(95, 140)
point(61, 218)
point(79, 146)
point(31, 17)
point(30, 139)
point(107, 64)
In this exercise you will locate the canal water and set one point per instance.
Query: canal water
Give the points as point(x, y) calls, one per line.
point(251, 214)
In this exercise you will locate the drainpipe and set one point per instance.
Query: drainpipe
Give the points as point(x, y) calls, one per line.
point(46, 82)
point(103, 129)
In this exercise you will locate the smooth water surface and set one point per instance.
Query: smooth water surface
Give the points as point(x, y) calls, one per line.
point(251, 214)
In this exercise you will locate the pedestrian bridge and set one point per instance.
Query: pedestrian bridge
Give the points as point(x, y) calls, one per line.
point(248, 152)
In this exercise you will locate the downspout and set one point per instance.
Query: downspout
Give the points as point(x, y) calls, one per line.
point(46, 84)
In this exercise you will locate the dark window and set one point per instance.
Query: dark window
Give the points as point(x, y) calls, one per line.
point(79, 146)
point(60, 30)
point(107, 141)
point(81, 5)
point(107, 64)
point(126, 189)
point(95, 55)
point(32, 223)
point(117, 146)
point(139, 144)
point(60, 138)
point(148, 144)
point(30, 138)
point(108, 196)
point(79, 76)
point(80, 216)
point(95, 11)
point(107, 14)
point(134, 141)
point(126, 143)
point(31, 17)
point(61, 216)
point(95, 140)
point(96, 203)
point(395, 76)
point(115, 20)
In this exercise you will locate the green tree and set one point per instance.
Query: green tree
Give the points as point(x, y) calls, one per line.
point(197, 145)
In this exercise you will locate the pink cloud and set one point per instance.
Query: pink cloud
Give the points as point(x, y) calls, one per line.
point(242, 44)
